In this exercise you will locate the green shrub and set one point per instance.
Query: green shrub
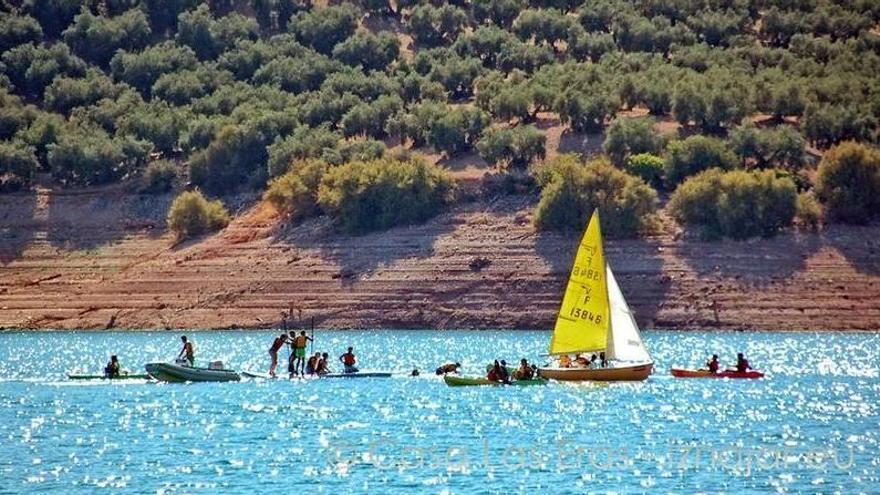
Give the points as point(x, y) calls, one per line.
point(693, 155)
point(237, 157)
point(736, 204)
point(571, 190)
point(647, 167)
point(629, 136)
point(849, 182)
point(191, 215)
point(18, 163)
point(296, 192)
point(512, 148)
point(374, 195)
point(159, 177)
point(809, 210)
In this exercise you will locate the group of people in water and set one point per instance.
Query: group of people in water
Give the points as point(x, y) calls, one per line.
point(742, 364)
point(299, 364)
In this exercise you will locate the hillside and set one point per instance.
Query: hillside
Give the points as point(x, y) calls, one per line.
point(103, 259)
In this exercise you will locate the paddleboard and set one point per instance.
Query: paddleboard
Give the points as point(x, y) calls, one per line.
point(130, 376)
point(359, 374)
point(257, 374)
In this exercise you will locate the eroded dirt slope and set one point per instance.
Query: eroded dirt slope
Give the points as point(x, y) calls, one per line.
point(103, 259)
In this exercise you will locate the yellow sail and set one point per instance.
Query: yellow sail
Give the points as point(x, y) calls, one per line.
point(582, 323)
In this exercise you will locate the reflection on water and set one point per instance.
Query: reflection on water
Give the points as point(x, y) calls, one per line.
point(812, 426)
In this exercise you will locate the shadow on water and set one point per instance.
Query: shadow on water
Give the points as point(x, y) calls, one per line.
point(636, 263)
point(17, 224)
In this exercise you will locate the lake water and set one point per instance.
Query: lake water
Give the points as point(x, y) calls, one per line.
point(812, 426)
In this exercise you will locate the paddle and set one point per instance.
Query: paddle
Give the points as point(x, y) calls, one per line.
point(312, 343)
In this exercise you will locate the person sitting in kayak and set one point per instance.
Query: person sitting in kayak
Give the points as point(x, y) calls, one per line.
point(713, 364)
point(505, 373)
point(277, 344)
point(187, 352)
point(447, 368)
point(348, 361)
point(525, 371)
point(312, 364)
point(112, 369)
point(742, 364)
point(494, 373)
point(299, 352)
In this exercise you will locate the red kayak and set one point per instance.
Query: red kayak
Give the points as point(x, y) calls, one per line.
point(683, 373)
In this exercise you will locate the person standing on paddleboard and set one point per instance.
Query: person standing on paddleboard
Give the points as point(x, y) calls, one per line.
point(299, 353)
point(273, 352)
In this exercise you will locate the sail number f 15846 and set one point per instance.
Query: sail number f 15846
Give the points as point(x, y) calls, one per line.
point(585, 314)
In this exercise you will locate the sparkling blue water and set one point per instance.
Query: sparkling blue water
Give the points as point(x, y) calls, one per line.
point(813, 426)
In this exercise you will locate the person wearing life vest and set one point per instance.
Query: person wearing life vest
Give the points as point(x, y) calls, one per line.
point(299, 353)
point(112, 369)
point(494, 373)
point(505, 373)
point(447, 368)
point(276, 346)
point(348, 361)
point(187, 352)
point(564, 361)
point(713, 364)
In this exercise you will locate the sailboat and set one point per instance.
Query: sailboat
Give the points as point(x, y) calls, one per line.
point(594, 318)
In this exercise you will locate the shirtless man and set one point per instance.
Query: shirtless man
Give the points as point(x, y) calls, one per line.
point(277, 344)
point(187, 351)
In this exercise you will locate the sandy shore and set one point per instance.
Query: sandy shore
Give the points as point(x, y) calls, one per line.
point(102, 259)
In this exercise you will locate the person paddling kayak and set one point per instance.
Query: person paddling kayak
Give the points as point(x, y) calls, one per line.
point(742, 364)
point(348, 361)
point(277, 344)
point(112, 370)
point(187, 352)
point(713, 364)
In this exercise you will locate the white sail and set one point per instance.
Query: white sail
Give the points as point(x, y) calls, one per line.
point(624, 341)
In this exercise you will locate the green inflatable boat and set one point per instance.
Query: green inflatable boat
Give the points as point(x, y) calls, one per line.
point(467, 381)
